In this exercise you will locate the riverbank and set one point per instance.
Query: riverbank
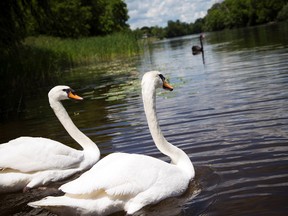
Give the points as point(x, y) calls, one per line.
point(41, 60)
point(88, 50)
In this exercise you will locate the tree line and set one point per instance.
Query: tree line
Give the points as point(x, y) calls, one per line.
point(65, 18)
point(82, 18)
point(228, 14)
point(37, 42)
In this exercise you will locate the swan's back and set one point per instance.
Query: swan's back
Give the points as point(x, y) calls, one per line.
point(129, 175)
point(120, 181)
point(37, 154)
point(29, 162)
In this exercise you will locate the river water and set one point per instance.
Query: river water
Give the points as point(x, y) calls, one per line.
point(230, 115)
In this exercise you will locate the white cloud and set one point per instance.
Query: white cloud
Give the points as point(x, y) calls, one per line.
point(158, 12)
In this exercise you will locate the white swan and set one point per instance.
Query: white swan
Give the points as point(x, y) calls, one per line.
point(123, 181)
point(29, 162)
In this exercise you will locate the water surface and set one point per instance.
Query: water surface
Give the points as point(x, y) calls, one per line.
point(229, 115)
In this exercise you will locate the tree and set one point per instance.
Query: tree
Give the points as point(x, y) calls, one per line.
point(237, 13)
point(69, 19)
point(283, 14)
point(215, 18)
point(197, 26)
point(158, 32)
point(241, 13)
point(16, 17)
point(176, 28)
point(108, 16)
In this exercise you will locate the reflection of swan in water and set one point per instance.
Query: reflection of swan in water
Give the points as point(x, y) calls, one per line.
point(128, 182)
point(29, 162)
point(198, 49)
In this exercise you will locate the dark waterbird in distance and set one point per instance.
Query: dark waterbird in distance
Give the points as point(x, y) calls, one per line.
point(197, 49)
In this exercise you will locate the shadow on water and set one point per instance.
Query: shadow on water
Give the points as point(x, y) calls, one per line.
point(23, 72)
point(16, 203)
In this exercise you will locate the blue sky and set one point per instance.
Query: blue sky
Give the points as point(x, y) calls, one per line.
point(158, 12)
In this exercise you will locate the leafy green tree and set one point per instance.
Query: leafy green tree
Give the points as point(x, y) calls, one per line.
point(16, 17)
point(237, 13)
point(283, 14)
point(267, 10)
point(176, 28)
point(158, 32)
point(114, 17)
point(66, 18)
point(197, 26)
point(69, 19)
point(215, 18)
point(108, 16)
point(241, 13)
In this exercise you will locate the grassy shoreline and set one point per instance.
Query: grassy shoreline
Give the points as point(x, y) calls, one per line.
point(40, 60)
point(89, 50)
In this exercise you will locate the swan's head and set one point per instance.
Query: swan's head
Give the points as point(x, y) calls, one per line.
point(155, 79)
point(62, 92)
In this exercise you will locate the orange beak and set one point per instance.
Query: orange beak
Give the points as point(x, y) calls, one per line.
point(74, 96)
point(167, 86)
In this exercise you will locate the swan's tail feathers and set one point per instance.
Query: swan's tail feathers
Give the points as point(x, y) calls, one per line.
point(59, 205)
point(65, 205)
point(44, 202)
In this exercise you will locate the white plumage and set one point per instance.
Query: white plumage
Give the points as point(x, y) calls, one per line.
point(28, 162)
point(122, 181)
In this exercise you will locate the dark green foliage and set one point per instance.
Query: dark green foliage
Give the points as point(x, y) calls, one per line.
point(40, 61)
point(197, 26)
point(29, 65)
point(23, 70)
point(67, 18)
point(158, 32)
point(16, 17)
point(241, 13)
point(173, 29)
point(78, 18)
point(283, 14)
point(177, 28)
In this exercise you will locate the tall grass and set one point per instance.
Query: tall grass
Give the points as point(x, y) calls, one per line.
point(40, 60)
point(89, 50)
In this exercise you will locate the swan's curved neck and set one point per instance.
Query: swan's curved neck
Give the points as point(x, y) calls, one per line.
point(177, 156)
point(201, 43)
point(87, 144)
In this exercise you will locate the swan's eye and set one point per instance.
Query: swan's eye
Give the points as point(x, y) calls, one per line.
point(66, 90)
point(69, 91)
point(162, 77)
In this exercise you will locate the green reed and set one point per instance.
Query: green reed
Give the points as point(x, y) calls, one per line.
point(39, 62)
point(89, 50)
